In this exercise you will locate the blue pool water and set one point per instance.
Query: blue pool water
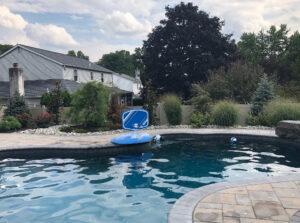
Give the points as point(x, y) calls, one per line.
point(133, 186)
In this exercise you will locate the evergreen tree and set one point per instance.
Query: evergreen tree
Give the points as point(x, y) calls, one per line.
point(16, 106)
point(263, 94)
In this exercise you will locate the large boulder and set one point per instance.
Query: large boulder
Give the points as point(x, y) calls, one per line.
point(288, 129)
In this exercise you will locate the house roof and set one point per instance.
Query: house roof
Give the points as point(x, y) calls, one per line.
point(63, 59)
point(36, 88)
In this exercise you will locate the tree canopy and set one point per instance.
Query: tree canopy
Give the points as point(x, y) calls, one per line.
point(5, 47)
point(121, 62)
point(79, 54)
point(183, 48)
point(269, 49)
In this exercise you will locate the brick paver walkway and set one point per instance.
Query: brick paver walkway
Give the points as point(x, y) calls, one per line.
point(260, 203)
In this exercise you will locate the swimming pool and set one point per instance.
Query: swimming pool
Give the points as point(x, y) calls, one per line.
point(139, 185)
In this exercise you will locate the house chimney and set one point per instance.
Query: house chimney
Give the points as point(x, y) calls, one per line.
point(16, 82)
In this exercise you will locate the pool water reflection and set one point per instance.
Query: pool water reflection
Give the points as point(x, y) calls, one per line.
point(130, 187)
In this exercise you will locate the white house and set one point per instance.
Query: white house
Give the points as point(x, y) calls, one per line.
point(41, 69)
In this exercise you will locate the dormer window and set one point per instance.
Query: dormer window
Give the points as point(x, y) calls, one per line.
point(75, 75)
point(92, 76)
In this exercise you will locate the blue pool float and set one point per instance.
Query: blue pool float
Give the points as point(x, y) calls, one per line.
point(132, 138)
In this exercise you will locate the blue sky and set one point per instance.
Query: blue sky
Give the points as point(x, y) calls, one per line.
point(102, 26)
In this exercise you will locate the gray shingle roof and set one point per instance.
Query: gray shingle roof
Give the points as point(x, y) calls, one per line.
point(68, 61)
point(36, 88)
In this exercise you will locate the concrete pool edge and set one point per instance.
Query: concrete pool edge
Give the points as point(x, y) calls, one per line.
point(183, 210)
point(18, 141)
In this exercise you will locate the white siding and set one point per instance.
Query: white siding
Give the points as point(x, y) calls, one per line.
point(111, 80)
point(85, 76)
point(34, 67)
point(122, 83)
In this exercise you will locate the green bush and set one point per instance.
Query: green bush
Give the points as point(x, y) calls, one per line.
point(224, 113)
point(263, 94)
point(89, 106)
point(279, 110)
point(9, 123)
point(115, 113)
point(198, 119)
point(16, 106)
point(200, 99)
point(172, 108)
point(54, 100)
point(258, 120)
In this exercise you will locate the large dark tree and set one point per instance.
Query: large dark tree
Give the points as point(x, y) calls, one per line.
point(183, 48)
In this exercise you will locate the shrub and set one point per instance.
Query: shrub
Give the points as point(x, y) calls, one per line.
point(43, 120)
point(54, 100)
point(279, 110)
point(263, 94)
point(258, 120)
point(89, 105)
point(217, 85)
point(114, 113)
point(200, 99)
point(25, 119)
point(224, 113)
point(16, 106)
point(198, 119)
point(9, 123)
point(172, 108)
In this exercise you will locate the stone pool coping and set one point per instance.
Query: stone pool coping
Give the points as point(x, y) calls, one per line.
point(183, 210)
point(18, 141)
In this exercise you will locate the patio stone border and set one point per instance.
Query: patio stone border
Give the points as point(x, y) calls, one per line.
point(21, 141)
point(182, 210)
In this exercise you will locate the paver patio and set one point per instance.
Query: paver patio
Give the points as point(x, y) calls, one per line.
point(265, 202)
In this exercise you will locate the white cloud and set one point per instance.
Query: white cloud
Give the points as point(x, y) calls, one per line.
point(50, 35)
point(10, 20)
point(117, 24)
point(125, 24)
point(14, 29)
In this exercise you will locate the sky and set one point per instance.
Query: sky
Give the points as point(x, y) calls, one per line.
point(98, 27)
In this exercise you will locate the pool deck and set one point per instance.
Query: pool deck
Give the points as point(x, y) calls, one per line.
point(272, 199)
point(15, 141)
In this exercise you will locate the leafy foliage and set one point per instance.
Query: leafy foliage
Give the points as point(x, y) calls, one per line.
point(263, 94)
point(200, 99)
point(5, 47)
point(79, 54)
point(120, 61)
point(199, 119)
point(9, 123)
point(54, 100)
point(237, 83)
point(114, 113)
point(43, 120)
point(16, 106)
point(183, 48)
point(89, 105)
point(172, 108)
point(224, 113)
point(279, 110)
point(150, 101)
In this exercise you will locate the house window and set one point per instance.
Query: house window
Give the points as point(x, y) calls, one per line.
point(92, 76)
point(102, 78)
point(75, 75)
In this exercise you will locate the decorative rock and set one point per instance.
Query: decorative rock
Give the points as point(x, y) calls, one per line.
point(288, 129)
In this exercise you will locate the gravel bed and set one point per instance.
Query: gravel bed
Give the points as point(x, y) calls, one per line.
point(54, 130)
